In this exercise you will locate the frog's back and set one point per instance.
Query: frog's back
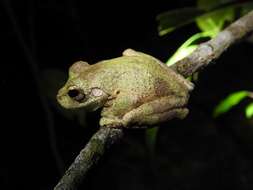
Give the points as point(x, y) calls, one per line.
point(140, 74)
point(146, 75)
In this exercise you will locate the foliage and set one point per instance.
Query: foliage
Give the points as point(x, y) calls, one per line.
point(249, 110)
point(186, 48)
point(232, 100)
point(218, 11)
point(210, 16)
point(171, 20)
point(151, 135)
point(213, 22)
point(212, 4)
point(229, 102)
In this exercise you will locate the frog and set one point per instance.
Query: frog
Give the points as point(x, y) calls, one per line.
point(135, 90)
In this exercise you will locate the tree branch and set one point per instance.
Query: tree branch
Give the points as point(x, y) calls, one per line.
point(105, 137)
point(212, 49)
point(88, 157)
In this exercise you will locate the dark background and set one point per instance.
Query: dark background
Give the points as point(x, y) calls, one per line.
point(199, 152)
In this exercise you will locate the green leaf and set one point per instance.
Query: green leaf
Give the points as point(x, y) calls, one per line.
point(151, 136)
point(170, 20)
point(186, 48)
point(210, 15)
point(246, 8)
point(211, 4)
point(230, 101)
point(213, 22)
point(249, 111)
point(180, 54)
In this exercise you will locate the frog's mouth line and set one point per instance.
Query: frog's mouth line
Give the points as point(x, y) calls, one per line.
point(182, 106)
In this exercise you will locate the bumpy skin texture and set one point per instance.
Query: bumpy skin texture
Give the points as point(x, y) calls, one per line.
point(135, 90)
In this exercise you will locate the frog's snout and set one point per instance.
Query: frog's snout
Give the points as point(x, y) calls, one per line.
point(60, 94)
point(62, 98)
point(59, 97)
point(70, 98)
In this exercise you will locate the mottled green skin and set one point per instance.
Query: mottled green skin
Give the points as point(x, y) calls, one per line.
point(135, 90)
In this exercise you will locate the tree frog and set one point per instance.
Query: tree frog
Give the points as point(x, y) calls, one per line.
point(135, 90)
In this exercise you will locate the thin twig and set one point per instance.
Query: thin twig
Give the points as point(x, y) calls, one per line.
point(212, 49)
point(88, 157)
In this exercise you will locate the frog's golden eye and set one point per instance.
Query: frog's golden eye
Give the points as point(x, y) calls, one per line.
point(76, 94)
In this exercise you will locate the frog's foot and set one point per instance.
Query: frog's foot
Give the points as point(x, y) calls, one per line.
point(111, 122)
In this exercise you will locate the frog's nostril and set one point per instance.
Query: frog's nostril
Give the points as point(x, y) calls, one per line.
point(59, 97)
point(76, 94)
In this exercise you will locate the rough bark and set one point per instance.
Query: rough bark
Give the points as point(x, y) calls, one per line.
point(212, 49)
point(88, 157)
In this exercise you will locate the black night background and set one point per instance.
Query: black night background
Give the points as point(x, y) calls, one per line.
point(41, 39)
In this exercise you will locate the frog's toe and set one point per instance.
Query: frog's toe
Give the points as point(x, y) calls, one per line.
point(182, 113)
point(110, 122)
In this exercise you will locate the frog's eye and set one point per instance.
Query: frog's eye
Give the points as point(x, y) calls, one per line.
point(76, 94)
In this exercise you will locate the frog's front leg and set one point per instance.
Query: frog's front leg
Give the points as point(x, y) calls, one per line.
point(111, 122)
point(151, 113)
point(115, 109)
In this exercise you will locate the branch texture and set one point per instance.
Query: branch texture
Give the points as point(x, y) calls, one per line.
point(88, 157)
point(212, 49)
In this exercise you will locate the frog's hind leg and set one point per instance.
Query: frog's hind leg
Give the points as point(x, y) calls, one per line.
point(154, 119)
point(154, 112)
